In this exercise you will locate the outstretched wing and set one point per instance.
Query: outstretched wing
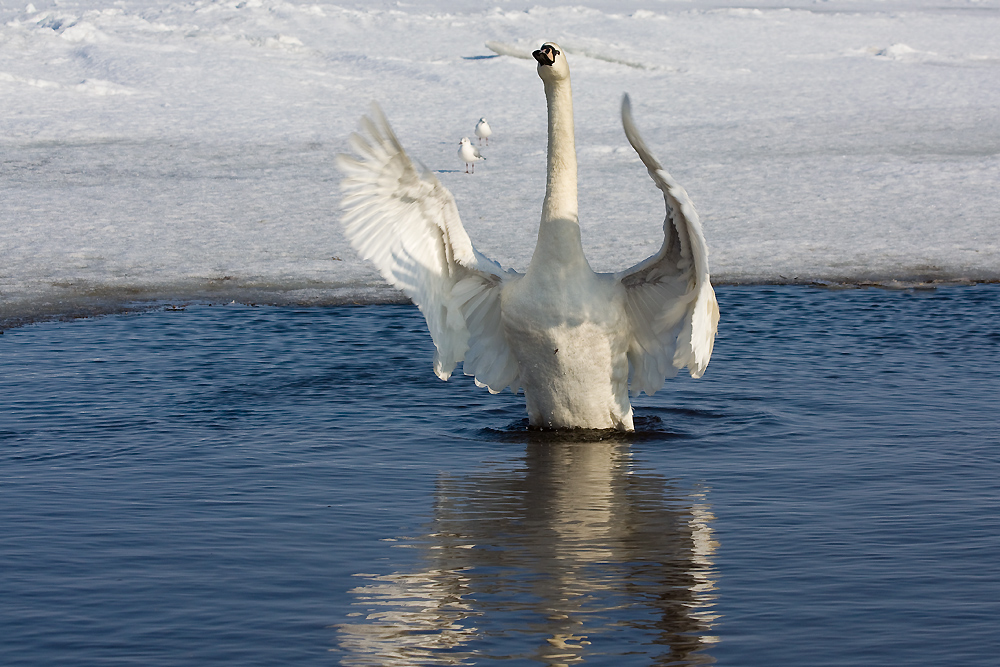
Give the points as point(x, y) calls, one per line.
point(401, 218)
point(670, 302)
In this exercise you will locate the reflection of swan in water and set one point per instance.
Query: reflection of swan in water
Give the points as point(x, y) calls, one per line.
point(574, 557)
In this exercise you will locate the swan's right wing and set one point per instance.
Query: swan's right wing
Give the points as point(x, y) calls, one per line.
point(669, 298)
point(404, 221)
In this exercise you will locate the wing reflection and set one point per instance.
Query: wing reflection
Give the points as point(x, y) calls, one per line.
point(575, 556)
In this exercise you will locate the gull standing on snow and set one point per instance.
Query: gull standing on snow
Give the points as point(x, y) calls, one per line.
point(483, 131)
point(569, 337)
point(469, 154)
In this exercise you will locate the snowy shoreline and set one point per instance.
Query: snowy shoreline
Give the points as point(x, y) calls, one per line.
point(153, 151)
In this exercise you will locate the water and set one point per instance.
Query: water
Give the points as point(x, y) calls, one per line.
point(259, 486)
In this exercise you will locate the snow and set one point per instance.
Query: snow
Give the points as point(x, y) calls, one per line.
point(162, 150)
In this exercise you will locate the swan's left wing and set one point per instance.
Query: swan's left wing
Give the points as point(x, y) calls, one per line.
point(400, 217)
point(669, 299)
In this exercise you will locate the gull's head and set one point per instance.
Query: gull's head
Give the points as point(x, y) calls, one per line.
point(464, 141)
point(551, 62)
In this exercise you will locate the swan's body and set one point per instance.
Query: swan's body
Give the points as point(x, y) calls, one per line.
point(483, 131)
point(469, 154)
point(565, 335)
point(571, 355)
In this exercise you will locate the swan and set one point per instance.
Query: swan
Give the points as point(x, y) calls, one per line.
point(568, 337)
point(469, 154)
point(484, 131)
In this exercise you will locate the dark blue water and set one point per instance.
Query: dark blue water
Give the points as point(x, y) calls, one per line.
point(244, 486)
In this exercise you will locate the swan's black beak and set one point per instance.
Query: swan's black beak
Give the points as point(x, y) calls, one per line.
point(546, 55)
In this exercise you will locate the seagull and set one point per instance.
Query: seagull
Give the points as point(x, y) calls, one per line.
point(469, 154)
point(574, 341)
point(483, 131)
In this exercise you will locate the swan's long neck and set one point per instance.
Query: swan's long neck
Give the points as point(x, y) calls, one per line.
point(560, 184)
point(559, 232)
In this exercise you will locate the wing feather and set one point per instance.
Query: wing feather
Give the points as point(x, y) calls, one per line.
point(398, 216)
point(670, 302)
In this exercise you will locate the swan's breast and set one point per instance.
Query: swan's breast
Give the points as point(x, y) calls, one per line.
point(570, 344)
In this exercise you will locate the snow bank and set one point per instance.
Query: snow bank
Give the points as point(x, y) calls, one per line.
point(156, 150)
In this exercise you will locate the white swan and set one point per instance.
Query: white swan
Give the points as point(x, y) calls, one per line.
point(565, 335)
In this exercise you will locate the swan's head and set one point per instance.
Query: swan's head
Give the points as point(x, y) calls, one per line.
point(552, 64)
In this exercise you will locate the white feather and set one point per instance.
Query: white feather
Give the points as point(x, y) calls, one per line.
point(406, 223)
point(670, 300)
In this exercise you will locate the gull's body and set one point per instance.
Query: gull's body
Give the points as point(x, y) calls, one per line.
point(469, 154)
point(483, 131)
point(567, 336)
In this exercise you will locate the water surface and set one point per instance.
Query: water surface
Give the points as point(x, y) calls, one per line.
point(260, 486)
